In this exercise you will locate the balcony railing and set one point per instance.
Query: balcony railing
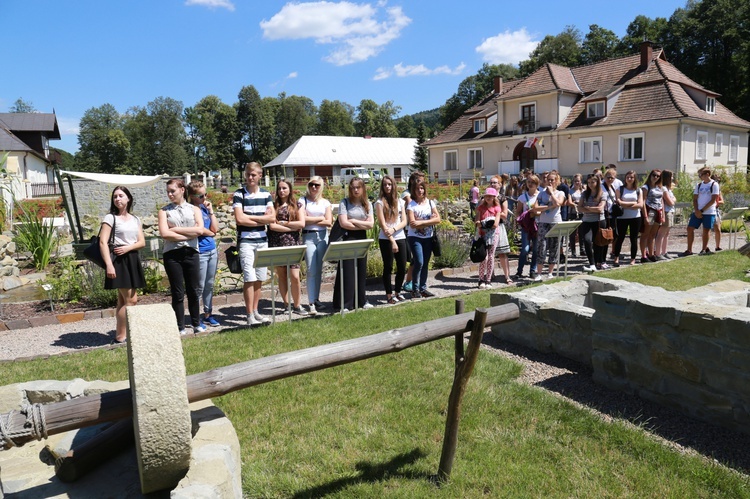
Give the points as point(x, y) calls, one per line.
point(525, 126)
point(45, 189)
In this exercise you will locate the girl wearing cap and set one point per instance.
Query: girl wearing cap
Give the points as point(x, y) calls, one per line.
point(491, 215)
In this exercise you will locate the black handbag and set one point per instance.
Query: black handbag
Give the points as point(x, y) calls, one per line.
point(478, 251)
point(93, 252)
point(337, 232)
point(436, 249)
point(233, 259)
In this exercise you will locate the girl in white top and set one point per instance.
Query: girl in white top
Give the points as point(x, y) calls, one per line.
point(669, 199)
point(392, 240)
point(652, 214)
point(318, 219)
point(124, 273)
point(423, 216)
point(547, 211)
point(630, 197)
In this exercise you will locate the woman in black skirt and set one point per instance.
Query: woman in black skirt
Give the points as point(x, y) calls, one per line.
point(124, 270)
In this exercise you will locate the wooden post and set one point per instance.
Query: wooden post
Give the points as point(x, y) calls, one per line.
point(460, 337)
point(60, 417)
point(460, 380)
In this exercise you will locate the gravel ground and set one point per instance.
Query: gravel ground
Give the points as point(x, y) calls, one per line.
point(550, 372)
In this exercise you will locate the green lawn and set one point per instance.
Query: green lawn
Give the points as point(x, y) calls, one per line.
point(375, 428)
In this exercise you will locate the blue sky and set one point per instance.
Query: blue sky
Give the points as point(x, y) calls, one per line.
point(74, 55)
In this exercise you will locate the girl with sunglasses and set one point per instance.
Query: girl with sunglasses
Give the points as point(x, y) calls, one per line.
point(318, 219)
point(208, 254)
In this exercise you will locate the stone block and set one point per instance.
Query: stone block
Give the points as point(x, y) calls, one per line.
point(46, 391)
point(161, 414)
point(729, 381)
point(45, 320)
point(108, 312)
point(71, 317)
point(12, 397)
point(676, 364)
point(11, 282)
point(736, 358)
point(92, 314)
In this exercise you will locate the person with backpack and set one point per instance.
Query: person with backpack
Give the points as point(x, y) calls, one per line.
point(705, 196)
point(630, 198)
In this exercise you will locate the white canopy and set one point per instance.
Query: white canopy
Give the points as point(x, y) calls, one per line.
point(113, 179)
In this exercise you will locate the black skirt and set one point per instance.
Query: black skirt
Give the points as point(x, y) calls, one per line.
point(128, 272)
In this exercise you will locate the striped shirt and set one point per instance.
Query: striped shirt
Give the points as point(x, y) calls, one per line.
point(253, 204)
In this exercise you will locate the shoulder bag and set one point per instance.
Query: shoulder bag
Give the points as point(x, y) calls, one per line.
point(93, 252)
point(436, 249)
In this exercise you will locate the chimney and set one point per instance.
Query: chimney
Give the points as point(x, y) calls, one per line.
point(647, 53)
point(497, 84)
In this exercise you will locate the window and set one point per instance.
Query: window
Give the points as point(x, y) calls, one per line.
point(734, 148)
point(701, 141)
point(528, 118)
point(475, 159)
point(450, 160)
point(711, 105)
point(590, 150)
point(719, 143)
point(595, 109)
point(479, 126)
point(631, 147)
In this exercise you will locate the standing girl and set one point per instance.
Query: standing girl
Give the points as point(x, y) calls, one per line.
point(547, 210)
point(355, 217)
point(285, 231)
point(179, 226)
point(392, 240)
point(652, 213)
point(662, 235)
point(124, 273)
point(491, 215)
point(318, 219)
point(592, 206)
point(630, 197)
point(576, 190)
point(528, 237)
point(423, 216)
point(208, 254)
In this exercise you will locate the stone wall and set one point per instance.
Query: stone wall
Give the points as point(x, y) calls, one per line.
point(687, 350)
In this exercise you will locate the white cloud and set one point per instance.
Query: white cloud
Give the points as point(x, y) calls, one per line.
point(401, 71)
point(291, 75)
point(68, 126)
point(507, 47)
point(212, 4)
point(355, 29)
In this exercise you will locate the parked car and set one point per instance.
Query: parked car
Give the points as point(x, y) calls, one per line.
point(349, 173)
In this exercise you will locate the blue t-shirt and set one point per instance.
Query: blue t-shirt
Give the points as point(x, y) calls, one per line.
point(206, 243)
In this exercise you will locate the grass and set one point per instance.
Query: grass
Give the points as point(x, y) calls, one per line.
point(375, 428)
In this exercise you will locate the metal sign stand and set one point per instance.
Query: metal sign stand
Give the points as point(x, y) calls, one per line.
point(348, 250)
point(734, 215)
point(280, 257)
point(561, 231)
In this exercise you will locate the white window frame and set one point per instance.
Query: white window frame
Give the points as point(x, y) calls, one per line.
point(734, 148)
point(719, 143)
point(587, 145)
point(592, 109)
point(701, 145)
point(480, 125)
point(446, 166)
point(632, 136)
point(471, 158)
point(520, 114)
point(711, 105)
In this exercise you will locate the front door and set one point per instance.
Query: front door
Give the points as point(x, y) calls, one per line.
point(525, 156)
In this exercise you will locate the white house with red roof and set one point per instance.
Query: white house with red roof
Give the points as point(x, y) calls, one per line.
point(638, 112)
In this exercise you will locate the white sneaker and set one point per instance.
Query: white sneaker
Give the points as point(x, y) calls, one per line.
point(200, 328)
point(482, 285)
point(252, 321)
point(183, 332)
point(537, 278)
point(488, 285)
point(261, 319)
point(312, 310)
point(589, 268)
point(368, 305)
point(299, 311)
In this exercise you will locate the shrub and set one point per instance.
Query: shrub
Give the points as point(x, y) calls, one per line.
point(36, 237)
point(374, 263)
point(72, 283)
point(455, 245)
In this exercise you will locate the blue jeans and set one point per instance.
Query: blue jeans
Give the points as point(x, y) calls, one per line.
point(206, 277)
point(421, 251)
point(316, 243)
point(528, 245)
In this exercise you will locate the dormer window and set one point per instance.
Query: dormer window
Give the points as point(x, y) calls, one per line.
point(596, 109)
point(480, 126)
point(711, 105)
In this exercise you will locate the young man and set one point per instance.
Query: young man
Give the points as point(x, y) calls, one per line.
point(705, 195)
point(253, 210)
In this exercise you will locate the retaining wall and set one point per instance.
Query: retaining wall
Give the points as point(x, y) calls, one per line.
point(688, 350)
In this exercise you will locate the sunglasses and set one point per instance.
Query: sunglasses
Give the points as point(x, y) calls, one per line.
point(313, 185)
point(610, 178)
point(656, 175)
point(199, 196)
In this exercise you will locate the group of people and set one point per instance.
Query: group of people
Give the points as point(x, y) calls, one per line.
point(188, 226)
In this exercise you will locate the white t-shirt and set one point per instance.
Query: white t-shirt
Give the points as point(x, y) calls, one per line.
point(630, 196)
point(705, 190)
point(421, 211)
point(315, 209)
point(399, 234)
point(126, 233)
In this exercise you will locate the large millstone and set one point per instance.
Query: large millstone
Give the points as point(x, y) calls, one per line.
point(160, 404)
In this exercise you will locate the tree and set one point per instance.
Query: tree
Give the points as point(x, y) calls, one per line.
point(103, 146)
point(643, 28)
point(335, 118)
point(376, 121)
point(21, 106)
point(295, 117)
point(599, 45)
point(213, 133)
point(251, 119)
point(157, 138)
point(406, 127)
point(420, 153)
point(563, 49)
